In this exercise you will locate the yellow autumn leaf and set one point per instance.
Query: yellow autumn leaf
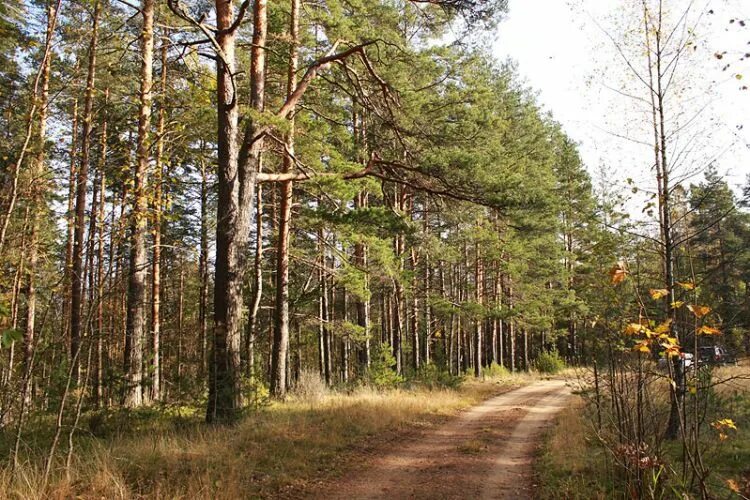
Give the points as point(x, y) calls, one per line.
point(642, 347)
point(686, 285)
point(677, 304)
point(671, 349)
point(733, 485)
point(699, 311)
point(708, 330)
point(658, 293)
point(663, 327)
point(650, 333)
point(618, 273)
point(727, 422)
point(633, 328)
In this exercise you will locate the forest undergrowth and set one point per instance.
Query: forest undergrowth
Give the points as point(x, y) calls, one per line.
point(169, 452)
point(575, 463)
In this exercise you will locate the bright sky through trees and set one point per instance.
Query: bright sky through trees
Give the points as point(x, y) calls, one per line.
point(570, 61)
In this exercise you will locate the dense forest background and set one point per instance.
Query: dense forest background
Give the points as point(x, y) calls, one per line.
point(381, 201)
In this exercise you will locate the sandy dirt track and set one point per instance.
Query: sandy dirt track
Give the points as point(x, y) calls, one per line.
point(485, 452)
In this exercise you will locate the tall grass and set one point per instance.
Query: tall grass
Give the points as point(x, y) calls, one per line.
point(273, 451)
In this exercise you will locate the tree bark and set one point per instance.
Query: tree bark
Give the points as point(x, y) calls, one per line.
point(479, 323)
point(39, 188)
point(77, 277)
point(281, 332)
point(158, 205)
point(98, 228)
point(136, 319)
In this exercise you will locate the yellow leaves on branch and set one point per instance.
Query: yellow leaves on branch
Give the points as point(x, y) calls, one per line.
point(634, 328)
point(699, 311)
point(663, 327)
point(618, 273)
point(686, 285)
point(708, 330)
point(658, 293)
point(677, 304)
point(723, 425)
point(642, 346)
point(671, 346)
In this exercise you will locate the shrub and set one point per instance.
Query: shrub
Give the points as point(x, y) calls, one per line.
point(549, 362)
point(495, 371)
point(432, 377)
point(382, 373)
point(309, 387)
point(256, 393)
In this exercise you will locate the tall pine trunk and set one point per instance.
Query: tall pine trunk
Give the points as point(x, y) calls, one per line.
point(137, 276)
point(77, 277)
point(158, 205)
point(281, 330)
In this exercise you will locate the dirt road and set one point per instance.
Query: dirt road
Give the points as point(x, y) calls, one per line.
point(486, 452)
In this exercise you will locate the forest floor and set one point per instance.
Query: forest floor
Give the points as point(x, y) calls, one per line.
point(294, 449)
point(487, 451)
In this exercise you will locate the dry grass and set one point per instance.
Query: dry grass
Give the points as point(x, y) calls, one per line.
point(569, 466)
point(271, 452)
point(572, 465)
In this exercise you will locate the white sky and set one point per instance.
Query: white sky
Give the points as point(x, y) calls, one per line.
point(563, 53)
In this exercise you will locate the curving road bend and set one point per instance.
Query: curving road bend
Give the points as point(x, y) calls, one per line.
point(486, 452)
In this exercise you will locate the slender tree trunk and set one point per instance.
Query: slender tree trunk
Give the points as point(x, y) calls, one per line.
point(251, 332)
point(137, 296)
point(325, 355)
point(158, 205)
point(70, 220)
point(39, 188)
point(281, 331)
point(203, 270)
point(98, 283)
point(363, 304)
point(414, 320)
point(511, 329)
point(478, 333)
point(77, 276)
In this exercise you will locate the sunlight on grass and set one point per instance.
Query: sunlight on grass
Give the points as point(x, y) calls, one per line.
point(273, 450)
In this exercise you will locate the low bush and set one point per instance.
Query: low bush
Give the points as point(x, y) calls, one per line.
point(495, 371)
point(310, 387)
point(381, 373)
point(550, 362)
point(431, 376)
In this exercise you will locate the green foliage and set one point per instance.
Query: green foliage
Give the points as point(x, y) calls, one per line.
point(549, 362)
point(495, 371)
point(9, 336)
point(382, 373)
point(256, 393)
point(433, 377)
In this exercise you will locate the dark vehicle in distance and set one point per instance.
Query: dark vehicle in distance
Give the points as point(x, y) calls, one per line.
point(715, 355)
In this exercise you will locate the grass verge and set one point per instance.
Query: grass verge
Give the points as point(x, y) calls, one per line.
point(272, 452)
point(572, 465)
